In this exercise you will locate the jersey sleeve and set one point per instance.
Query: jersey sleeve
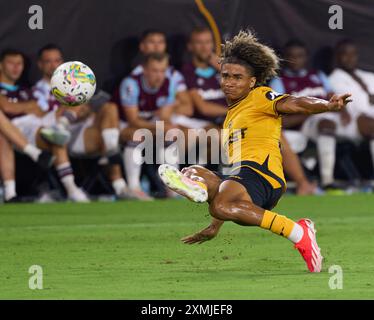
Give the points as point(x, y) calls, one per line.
point(179, 81)
point(268, 100)
point(172, 91)
point(129, 92)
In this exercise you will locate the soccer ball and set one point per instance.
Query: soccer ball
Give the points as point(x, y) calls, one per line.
point(73, 83)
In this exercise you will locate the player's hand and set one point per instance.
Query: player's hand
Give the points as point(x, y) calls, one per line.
point(204, 235)
point(336, 102)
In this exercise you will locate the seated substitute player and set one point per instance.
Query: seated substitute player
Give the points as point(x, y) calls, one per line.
point(208, 100)
point(253, 127)
point(298, 79)
point(89, 133)
point(145, 98)
point(202, 79)
point(358, 122)
point(27, 116)
point(154, 41)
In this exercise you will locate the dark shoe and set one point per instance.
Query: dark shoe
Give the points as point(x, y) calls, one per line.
point(45, 160)
point(15, 199)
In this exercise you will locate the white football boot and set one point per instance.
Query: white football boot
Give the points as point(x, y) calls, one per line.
point(176, 181)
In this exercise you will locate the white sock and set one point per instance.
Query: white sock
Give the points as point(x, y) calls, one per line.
point(32, 151)
point(119, 185)
point(65, 172)
point(326, 146)
point(69, 184)
point(132, 158)
point(111, 139)
point(9, 189)
point(296, 234)
point(372, 150)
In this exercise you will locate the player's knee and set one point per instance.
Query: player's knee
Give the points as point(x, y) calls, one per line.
point(219, 210)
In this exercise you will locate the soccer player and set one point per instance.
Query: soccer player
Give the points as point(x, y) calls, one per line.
point(252, 140)
point(145, 97)
point(27, 116)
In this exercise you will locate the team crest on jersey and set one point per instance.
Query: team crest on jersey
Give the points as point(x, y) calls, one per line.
point(272, 95)
point(200, 81)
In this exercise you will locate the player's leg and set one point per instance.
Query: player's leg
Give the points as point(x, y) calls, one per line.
point(190, 182)
point(326, 147)
point(233, 203)
point(7, 168)
point(208, 178)
point(89, 140)
point(11, 132)
point(196, 183)
point(365, 126)
point(15, 136)
point(63, 168)
point(292, 166)
point(132, 161)
point(107, 120)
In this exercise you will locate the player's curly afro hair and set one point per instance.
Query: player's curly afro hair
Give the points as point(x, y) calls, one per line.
point(246, 50)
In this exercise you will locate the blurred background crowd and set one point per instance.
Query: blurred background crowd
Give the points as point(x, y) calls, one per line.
point(50, 152)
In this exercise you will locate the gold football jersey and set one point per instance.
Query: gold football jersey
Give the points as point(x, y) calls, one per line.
point(252, 131)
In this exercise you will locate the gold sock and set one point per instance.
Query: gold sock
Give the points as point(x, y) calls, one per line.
point(201, 184)
point(277, 223)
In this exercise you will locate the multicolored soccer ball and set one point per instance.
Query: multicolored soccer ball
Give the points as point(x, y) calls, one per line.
point(73, 83)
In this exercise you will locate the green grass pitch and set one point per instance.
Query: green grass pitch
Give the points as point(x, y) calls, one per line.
point(132, 250)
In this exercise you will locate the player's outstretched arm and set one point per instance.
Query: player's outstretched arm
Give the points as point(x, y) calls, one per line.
point(206, 234)
point(310, 105)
